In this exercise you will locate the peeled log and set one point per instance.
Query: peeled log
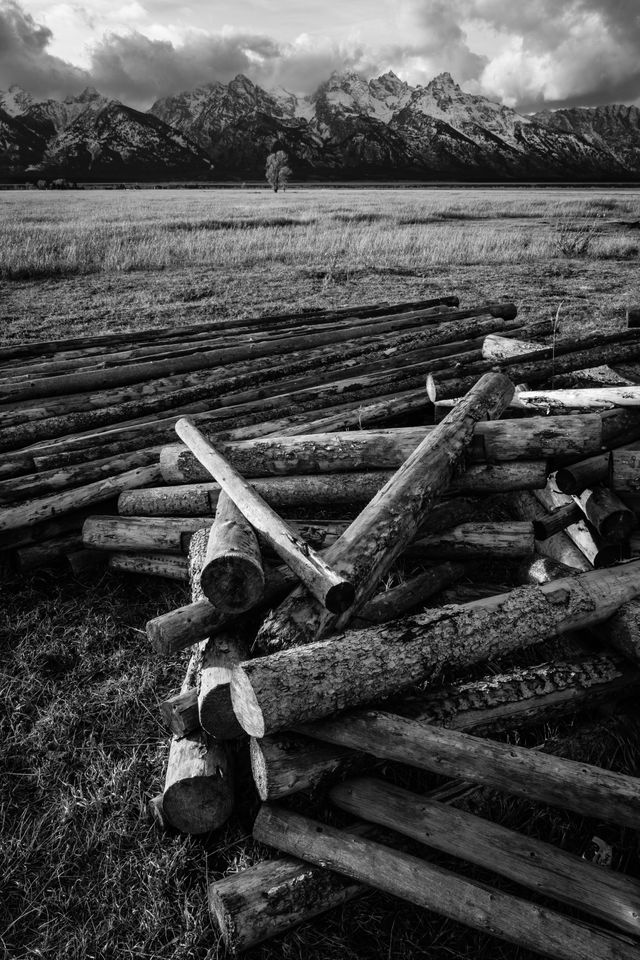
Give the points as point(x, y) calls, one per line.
point(288, 763)
point(366, 450)
point(590, 398)
point(542, 570)
point(232, 574)
point(471, 540)
point(369, 547)
point(219, 656)
point(532, 863)
point(496, 347)
point(435, 888)
point(305, 683)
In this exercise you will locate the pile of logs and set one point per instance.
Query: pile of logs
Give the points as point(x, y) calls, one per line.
point(350, 567)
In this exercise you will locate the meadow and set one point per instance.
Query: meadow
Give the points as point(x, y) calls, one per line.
point(85, 873)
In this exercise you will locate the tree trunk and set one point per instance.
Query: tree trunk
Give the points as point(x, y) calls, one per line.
point(435, 888)
point(540, 866)
point(471, 540)
point(331, 589)
point(302, 684)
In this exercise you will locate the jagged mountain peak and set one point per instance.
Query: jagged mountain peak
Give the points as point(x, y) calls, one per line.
point(88, 95)
point(15, 101)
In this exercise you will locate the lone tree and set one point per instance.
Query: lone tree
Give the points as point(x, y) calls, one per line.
point(277, 170)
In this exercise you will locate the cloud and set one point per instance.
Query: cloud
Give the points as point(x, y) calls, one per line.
point(24, 58)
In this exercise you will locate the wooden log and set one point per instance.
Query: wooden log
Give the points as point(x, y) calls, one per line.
point(607, 514)
point(150, 564)
point(622, 631)
point(85, 562)
point(435, 888)
point(198, 790)
point(625, 471)
point(619, 428)
point(180, 712)
point(288, 763)
point(585, 398)
point(305, 683)
point(577, 477)
point(145, 534)
point(470, 540)
point(538, 570)
point(558, 547)
point(394, 603)
point(497, 348)
point(559, 519)
point(232, 574)
point(367, 450)
point(536, 368)
point(35, 511)
point(368, 548)
point(597, 551)
point(345, 489)
point(48, 552)
point(332, 590)
point(220, 655)
point(540, 866)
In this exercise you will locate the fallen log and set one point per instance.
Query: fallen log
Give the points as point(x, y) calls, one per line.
point(332, 590)
point(232, 574)
point(435, 888)
point(394, 603)
point(471, 540)
point(586, 398)
point(367, 450)
point(306, 683)
point(580, 476)
point(55, 505)
point(149, 564)
point(540, 866)
point(311, 492)
point(288, 763)
point(368, 548)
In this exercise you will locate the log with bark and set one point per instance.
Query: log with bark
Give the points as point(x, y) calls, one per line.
point(232, 575)
point(587, 473)
point(470, 540)
point(436, 888)
point(498, 348)
point(149, 564)
point(556, 521)
point(300, 684)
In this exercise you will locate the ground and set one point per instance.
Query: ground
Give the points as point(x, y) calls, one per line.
point(86, 874)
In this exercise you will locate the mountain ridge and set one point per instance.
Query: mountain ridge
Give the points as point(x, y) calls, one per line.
point(349, 128)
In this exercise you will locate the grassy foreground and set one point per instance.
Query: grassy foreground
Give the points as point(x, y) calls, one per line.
point(85, 874)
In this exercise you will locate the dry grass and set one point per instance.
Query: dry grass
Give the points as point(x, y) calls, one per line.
point(85, 874)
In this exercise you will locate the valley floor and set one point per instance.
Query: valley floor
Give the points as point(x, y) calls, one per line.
point(85, 873)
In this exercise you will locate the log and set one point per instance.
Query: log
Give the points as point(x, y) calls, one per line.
point(559, 519)
point(471, 540)
point(622, 631)
point(540, 570)
point(198, 791)
point(625, 471)
point(35, 511)
point(587, 473)
point(435, 888)
point(48, 552)
point(597, 551)
point(150, 564)
point(146, 534)
point(366, 450)
point(219, 656)
point(369, 547)
point(332, 590)
point(536, 368)
point(498, 348)
point(558, 547)
point(301, 684)
point(394, 603)
point(85, 562)
point(585, 398)
point(539, 866)
point(607, 514)
point(344, 489)
point(288, 763)
point(232, 574)
point(180, 712)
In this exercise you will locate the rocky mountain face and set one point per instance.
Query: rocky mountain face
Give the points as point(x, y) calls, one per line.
point(89, 137)
point(350, 128)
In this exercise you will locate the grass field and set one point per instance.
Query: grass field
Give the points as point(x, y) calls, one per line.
point(85, 874)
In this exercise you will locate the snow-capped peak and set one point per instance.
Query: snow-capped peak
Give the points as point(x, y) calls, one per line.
point(15, 101)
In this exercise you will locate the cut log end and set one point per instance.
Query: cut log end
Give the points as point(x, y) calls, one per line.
point(259, 769)
point(339, 597)
point(197, 805)
point(233, 583)
point(245, 704)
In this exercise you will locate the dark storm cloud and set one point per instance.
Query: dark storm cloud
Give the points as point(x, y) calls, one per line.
point(24, 58)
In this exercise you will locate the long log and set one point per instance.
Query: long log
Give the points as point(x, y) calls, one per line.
point(200, 499)
point(394, 603)
point(586, 398)
point(368, 548)
point(288, 763)
point(598, 552)
point(232, 574)
point(305, 683)
point(470, 540)
point(55, 505)
point(366, 450)
point(435, 888)
point(149, 564)
point(587, 473)
point(540, 866)
point(198, 790)
point(332, 590)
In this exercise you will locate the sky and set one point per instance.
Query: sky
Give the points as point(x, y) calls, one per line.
point(533, 55)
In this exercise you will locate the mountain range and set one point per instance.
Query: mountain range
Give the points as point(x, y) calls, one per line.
point(349, 129)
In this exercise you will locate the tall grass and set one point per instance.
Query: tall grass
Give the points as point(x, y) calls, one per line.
point(45, 235)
